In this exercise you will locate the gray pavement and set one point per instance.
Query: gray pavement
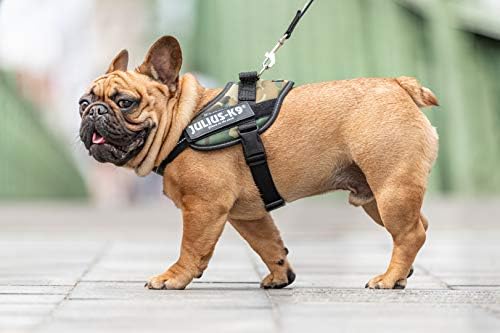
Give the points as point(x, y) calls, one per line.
point(76, 268)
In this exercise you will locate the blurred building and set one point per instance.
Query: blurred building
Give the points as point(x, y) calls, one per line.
point(452, 46)
point(50, 59)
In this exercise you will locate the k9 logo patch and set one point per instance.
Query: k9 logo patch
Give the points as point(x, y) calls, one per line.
point(213, 121)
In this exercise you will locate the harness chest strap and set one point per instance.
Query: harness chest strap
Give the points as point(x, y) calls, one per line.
point(253, 149)
point(255, 157)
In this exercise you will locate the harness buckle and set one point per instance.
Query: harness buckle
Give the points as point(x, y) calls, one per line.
point(253, 149)
point(256, 159)
point(247, 127)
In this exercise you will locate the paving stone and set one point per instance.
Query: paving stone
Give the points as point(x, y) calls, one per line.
point(130, 310)
point(164, 320)
point(80, 269)
point(30, 299)
point(335, 280)
point(62, 275)
point(21, 309)
point(329, 295)
point(202, 295)
point(470, 278)
point(24, 323)
point(35, 290)
point(361, 317)
point(45, 263)
point(493, 308)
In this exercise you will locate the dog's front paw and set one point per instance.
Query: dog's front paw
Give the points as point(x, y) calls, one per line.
point(168, 280)
point(385, 281)
point(278, 281)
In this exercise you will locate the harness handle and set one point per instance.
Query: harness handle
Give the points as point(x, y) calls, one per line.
point(270, 59)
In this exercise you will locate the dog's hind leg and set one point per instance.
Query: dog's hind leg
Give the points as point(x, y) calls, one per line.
point(372, 210)
point(264, 238)
point(399, 209)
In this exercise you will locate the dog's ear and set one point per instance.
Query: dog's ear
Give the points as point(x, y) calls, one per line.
point(163, 62)
point(119, 63)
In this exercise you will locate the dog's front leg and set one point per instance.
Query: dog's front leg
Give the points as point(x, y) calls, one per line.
point(203, 223)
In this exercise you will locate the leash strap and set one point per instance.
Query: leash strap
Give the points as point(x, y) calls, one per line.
point(296, 19)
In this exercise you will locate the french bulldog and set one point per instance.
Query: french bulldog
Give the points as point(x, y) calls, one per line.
point(366, 136)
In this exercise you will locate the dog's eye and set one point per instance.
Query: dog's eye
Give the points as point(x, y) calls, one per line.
point(83, 105)
point(125, 103)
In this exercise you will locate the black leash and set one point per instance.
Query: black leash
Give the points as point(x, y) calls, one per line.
point(270, 59)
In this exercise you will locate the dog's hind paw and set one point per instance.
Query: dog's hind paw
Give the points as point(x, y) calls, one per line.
point(386, 282)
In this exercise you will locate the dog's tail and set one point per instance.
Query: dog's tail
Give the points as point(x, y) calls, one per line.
point(422, 96)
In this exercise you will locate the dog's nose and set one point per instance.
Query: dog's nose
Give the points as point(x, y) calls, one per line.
point(98, 109)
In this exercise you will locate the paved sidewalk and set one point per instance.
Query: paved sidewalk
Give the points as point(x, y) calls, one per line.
point(68, 268)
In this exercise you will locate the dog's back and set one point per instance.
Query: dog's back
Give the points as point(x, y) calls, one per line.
point(325, 127)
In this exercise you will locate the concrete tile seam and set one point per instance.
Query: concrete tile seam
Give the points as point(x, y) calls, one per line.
point(94, 261)
point(428, 273)
point(275, 311)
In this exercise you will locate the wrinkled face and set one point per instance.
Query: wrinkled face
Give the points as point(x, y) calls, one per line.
point(121, 109)
point(111, 127)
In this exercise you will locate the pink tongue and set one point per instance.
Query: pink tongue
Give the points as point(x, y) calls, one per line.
point(97, 139)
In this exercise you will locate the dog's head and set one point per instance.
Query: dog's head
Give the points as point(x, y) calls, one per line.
point(121, 110)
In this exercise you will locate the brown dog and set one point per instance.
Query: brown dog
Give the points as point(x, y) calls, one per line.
point(366, 136)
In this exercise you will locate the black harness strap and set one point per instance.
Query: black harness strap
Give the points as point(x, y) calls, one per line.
point(253, 149)
point(247, 91)
point(179, 148)
point(255, 156)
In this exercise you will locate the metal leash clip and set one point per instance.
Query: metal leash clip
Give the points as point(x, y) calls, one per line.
point(270, 59)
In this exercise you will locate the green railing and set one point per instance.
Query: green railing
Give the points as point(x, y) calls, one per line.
point(342, 39)
point(33, 165)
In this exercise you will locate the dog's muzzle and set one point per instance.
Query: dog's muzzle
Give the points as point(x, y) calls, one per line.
point(106, 136)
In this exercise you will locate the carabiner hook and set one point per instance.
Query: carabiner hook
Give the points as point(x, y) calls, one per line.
point(270, 57)
point(269, 61)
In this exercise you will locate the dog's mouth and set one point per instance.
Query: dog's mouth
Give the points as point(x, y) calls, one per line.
point(109, 143)
point(97, 139)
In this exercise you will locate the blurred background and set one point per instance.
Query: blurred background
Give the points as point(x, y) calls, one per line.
point(50, 50)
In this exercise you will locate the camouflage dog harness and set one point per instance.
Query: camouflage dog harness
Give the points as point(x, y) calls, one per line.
point(238, 115)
